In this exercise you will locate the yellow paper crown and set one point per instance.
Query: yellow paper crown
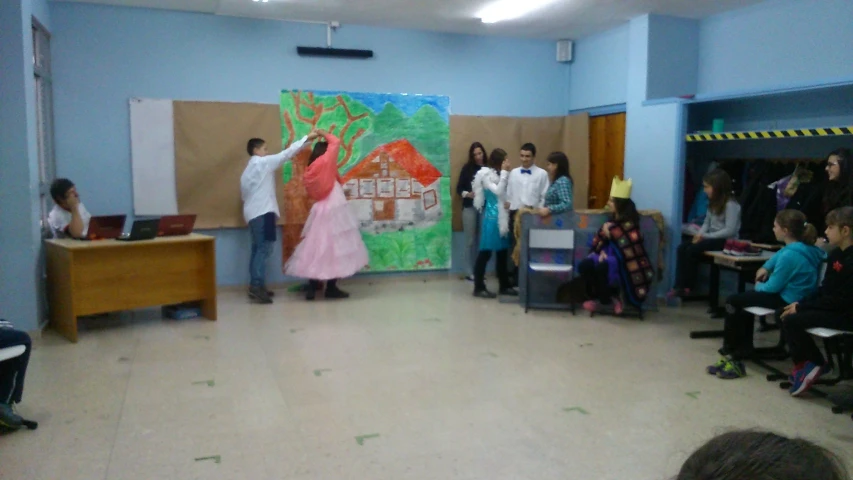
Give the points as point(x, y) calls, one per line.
point(621, 188)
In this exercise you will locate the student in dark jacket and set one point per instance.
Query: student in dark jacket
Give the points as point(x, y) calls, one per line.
point(831, 307)
point(837, 192)
point(470, 216)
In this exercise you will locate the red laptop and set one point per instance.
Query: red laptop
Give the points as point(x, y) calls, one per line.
point(105, 227)
point(172, 225)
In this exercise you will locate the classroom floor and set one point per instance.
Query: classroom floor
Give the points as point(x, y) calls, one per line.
point(409, 379)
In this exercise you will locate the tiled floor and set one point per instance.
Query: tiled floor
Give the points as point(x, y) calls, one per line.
point(439, 385)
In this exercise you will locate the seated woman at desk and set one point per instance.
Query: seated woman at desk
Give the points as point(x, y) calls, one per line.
point(68, 218)
point(787, 277)
point(618, 265)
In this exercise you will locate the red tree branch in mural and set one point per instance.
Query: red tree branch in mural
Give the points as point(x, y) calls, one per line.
point(291, 130)
point(347, 145)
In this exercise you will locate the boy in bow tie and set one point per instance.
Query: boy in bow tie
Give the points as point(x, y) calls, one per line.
point(526, 187)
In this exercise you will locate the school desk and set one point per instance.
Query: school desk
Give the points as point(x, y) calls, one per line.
point(90, 277)
point(745, 267)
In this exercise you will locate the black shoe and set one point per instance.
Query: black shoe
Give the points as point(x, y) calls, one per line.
point(334, 293)
point(270, 293)
point(259, 295)
point(511, 292)
point(9, 419)
point(310, 292)
point(484, 294)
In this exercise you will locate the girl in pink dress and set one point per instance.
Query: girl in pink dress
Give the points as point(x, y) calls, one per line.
point(331, 246)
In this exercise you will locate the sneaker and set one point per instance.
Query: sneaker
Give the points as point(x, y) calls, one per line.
point(713, 369)
point(796, 371)
point(750, 251)
point(728, 248)
point(617, 306)
point(805, 378)
point(484, 293)
point(470, 278)
point(511, 291)
point(731, 370)
point(590, 305)
point(259, 295)
point(9, 419)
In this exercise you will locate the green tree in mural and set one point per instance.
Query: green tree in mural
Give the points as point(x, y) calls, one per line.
point(426, 130)
point(348, 119)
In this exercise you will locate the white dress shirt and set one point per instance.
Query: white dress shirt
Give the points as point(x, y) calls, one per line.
point(59, 219)
point(257, 184)
point(527, 189)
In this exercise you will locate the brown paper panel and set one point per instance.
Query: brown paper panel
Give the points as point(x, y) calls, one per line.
point(210, 155)
point(576, 146)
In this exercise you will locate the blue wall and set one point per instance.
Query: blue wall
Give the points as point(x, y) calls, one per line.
point(779, 43)
point(105, 55)
point(20, 246)
point(599, 71)
point(673, 61)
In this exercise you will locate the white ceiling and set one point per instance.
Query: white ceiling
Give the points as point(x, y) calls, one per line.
point(571, 19)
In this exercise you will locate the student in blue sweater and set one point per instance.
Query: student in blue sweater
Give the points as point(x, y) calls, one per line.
point(787, 277)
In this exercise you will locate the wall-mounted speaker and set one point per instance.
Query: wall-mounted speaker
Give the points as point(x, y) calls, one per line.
point(564, 51)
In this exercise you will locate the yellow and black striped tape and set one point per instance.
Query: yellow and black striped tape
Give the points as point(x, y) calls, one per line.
point(760, 135)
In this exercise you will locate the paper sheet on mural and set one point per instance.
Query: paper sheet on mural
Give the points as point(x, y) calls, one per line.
point(395, 165)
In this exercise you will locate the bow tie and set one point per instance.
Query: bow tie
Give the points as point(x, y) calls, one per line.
point(525, 172)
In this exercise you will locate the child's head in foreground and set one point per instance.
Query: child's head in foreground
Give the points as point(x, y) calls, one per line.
point(756, 455)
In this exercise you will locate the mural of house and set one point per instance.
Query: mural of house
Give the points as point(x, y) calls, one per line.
point(395, 186)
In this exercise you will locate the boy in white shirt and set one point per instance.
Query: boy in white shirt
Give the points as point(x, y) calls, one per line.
point(68, 218)
point(260, 207)
point(526, 187)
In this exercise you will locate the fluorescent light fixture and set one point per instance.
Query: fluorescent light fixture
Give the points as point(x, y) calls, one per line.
point(265, 1)
point(510, 9)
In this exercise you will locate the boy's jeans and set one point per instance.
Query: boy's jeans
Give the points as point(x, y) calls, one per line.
point(261, 250)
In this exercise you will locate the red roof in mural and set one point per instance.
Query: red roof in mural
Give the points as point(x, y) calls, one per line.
point(404, 154)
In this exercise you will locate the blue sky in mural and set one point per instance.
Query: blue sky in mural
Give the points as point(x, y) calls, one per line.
point(408, 103)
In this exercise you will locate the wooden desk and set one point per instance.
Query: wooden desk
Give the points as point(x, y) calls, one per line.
point(89, 277)
point(746, 268)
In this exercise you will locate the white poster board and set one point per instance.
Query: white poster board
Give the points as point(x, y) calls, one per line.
point(152, 157)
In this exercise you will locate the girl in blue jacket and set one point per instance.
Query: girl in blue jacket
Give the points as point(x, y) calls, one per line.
point(787, 277)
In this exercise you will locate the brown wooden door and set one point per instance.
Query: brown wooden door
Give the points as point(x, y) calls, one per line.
point(606, 155)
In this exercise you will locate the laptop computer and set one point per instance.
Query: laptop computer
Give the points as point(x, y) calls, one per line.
point(172, 225)
point(141, 230)
point(105, 227)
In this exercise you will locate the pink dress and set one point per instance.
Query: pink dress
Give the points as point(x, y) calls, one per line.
point(331, 245)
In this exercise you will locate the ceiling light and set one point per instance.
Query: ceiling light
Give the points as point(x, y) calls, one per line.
point(510, 9)
point(265, 1)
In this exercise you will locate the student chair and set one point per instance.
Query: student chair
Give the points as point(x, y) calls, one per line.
point(7, 354)
point(838, 345)
point(776, 352)
point(561, 242)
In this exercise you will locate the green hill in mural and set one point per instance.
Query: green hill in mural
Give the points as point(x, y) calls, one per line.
point(426, 130)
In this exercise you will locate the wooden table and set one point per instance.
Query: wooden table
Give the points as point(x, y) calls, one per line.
point(745, 267)
point(89, 277)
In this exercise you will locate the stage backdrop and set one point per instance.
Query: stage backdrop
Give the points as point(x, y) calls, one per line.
point(395, 165)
